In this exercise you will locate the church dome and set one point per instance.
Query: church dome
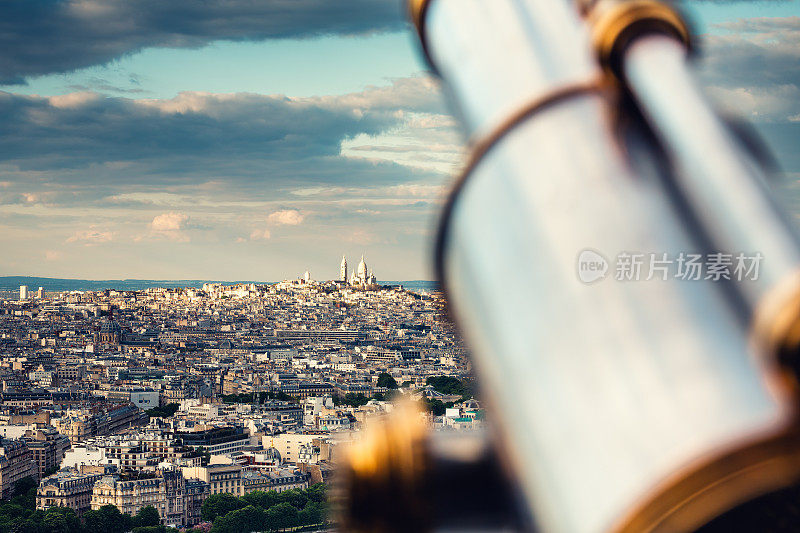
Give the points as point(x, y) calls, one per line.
point(110, 332)
point(362, 269)
point(109, 326)
point(472, 403)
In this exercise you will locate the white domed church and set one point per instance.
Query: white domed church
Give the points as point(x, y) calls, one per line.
point(361, 276)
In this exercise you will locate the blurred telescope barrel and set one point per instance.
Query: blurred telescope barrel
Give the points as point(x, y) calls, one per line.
point(624, 396)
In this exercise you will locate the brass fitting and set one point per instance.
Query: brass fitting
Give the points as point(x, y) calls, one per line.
point(401, 477)
point(776, 328)
point(416, 11)
point(383, 475)
point(616, 23)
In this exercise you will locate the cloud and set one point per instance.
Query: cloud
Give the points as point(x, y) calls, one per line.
point(82, 145)
point(286, 217)
point(52, 255)
point(363, 237)
point(752, 66)
point(419, 190)
point(135, 167)
point(91, 236)
point(260, 234)
point(169, 222)
point(773, 103)
point(51, 36)
point(170, 226)
point(415, 93)
point(84, 128)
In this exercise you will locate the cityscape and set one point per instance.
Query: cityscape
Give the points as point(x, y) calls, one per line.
point(171, 403)
point(399, 265)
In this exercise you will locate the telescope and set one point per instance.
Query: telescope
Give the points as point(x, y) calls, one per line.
point(626, 284)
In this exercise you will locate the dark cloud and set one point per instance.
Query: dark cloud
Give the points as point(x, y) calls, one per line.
point(52, 36)
point(757, 52)
point(86, 128)
point(87, 141)
point(751, 67)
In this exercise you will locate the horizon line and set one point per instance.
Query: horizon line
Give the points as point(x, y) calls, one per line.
point(178, 279)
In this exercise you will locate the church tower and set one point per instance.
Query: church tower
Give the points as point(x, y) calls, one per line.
point(362, 270)
point(343, 271)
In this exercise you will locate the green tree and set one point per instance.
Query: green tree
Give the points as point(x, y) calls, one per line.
point(260, 498)
point(243, 520)
point(25, 493)
point(147, 516)
point(449, 385)
point(205, 456)
point(296, 498)
point(281, 516)
point(165, 411)
point(11, 511)
point(317, 492)
point(107, 519)
point(55, 523)
point(219, 505)
point(351, 399)
point(25, 484)
point(386, 380)
point(313, 513)
point(22, 525)
point(154, 529)
point(246, 397)
point(435, 406)
point(60, 520)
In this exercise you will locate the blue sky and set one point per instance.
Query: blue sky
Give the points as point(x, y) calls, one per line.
point(318, 66)
point(304, 67)
point(129, 148)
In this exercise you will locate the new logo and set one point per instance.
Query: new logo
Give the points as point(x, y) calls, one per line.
point(591, 266)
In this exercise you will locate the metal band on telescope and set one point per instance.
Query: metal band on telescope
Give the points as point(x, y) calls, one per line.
point(616, 23)
point(418, 9)
point(762, 465)
point(707, 489)
point(480, 147)
point(776, 328)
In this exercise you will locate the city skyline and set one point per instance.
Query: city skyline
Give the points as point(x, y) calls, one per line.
point(261, 270)
point(152, 404)
point(325, 275)
point(252, 142)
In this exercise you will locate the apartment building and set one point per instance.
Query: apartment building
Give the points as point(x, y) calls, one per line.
point(218, 440)
point(68, 488)
point(47, 448)
point(16, 463)
point(195, 494)
point(221, 478)
point(80, 425)
point(164, 490)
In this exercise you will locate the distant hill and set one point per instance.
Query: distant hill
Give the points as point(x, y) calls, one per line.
point(12, 283)
point(414, 284)
point(8, 283)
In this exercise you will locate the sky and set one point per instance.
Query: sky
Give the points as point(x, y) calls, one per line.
point(252, 140)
